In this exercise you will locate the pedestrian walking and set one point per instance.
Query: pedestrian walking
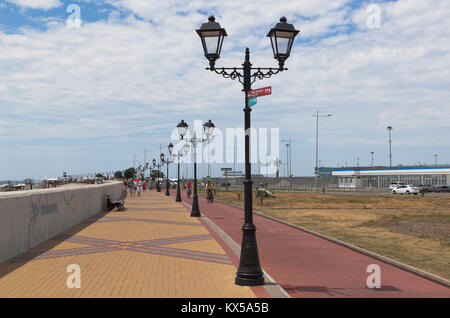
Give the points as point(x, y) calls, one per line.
point(139, 188)
point(189, 188)
point(131, 186)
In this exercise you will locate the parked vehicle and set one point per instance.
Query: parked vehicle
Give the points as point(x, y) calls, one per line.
point(395, 185)
point(406, 189)
point(439, 188)
point(445, 189)
point(428, 188)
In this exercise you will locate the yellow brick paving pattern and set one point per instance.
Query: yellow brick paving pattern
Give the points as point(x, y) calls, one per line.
point(153, 249)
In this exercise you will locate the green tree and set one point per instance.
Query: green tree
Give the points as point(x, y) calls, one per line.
point(155, 174)
point(118, 175)
point(130, 173)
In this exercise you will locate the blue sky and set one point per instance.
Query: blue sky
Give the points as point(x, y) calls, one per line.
point(87, 99)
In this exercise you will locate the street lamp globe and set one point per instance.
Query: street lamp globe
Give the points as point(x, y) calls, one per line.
point(170, 148)
point(212, 36)
point(282, 37)
point(208, 128)
point(154, 162)
point(161, 156)
point(182, 128)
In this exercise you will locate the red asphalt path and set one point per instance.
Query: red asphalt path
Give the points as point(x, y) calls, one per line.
point(308, 266)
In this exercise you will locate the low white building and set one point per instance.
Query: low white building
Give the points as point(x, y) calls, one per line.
point(382, 177)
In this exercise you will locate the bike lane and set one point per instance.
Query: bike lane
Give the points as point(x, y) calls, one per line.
point(309, 266)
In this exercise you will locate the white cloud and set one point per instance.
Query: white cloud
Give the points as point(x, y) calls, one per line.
point(36, 4)
point(127, 77)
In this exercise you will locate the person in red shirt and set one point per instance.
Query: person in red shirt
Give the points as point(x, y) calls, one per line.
point(189, 188)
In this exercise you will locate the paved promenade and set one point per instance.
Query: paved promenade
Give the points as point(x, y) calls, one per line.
point(308, 266)
point(153, 249)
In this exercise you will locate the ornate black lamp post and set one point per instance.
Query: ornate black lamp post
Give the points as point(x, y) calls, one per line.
point(158, 188)
point(167, 163)
point(178, 155)
point(161, 163)
point(208, 129)
point(281, 37)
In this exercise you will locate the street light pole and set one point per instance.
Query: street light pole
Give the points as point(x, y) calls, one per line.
point(316, 170)
point(158, 188)
point(178, 199)
point(372, 157)
point(178, 156)
point(389, 128)
point(208, 129)
point(282, 37)
point(288, 157)
point(167, 162)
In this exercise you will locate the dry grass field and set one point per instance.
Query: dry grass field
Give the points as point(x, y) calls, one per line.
point(414, 230)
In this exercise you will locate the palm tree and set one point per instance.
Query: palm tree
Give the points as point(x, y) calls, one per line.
point(277, 164)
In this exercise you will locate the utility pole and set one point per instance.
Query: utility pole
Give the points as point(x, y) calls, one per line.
point(372, 157)
point(316, 170)
point(389, 128)
point(290, 157)
point(288, 165)
point(234, 157)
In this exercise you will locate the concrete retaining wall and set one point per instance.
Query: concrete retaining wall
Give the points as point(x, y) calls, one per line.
point(28, 218)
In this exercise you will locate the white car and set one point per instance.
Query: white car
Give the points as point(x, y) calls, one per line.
point(406, 189)
point(395, 185)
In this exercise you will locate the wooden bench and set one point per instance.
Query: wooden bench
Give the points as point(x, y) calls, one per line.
point(110, 204)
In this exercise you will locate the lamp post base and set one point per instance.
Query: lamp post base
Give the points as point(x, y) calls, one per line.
point(178, 199)
point(249, 281)
point(249, 272)
point(167, 188)
point(195, 212)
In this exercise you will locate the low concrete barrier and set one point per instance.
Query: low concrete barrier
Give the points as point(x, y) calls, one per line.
point(28, 218)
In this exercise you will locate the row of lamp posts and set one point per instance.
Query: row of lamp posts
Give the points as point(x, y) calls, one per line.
point(212, 35)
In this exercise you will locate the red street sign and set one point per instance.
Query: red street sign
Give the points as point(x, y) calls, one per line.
point(260, 92)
